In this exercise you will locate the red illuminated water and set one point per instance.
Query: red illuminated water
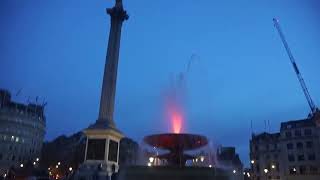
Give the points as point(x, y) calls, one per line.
point(175, 116)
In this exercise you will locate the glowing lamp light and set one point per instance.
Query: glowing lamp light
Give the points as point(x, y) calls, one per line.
point(248, 174)
point(59, 163)
point(37, 159)
point(34, 163)
point(57, 166)
point(234, 171)
point(210, 166)
point(48, 169)
point(5, 175)
point(252, 161)
point(266, 171)
point(151, 159)
point(21, 165)
point(149, 164)
point(273, 166)
point(201, 158)
point(70, 168)
point(244, 173)
point(294, 169)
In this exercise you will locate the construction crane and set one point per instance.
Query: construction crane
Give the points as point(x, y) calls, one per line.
point(295, 67)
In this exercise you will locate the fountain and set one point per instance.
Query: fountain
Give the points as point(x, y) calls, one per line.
point(176, 144)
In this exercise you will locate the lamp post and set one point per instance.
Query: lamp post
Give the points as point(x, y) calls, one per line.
point(266, 172)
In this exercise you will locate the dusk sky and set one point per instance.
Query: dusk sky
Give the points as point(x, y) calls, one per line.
point(240, 72)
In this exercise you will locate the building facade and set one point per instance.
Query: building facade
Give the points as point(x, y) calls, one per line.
point(22, 130)
point(291, 154)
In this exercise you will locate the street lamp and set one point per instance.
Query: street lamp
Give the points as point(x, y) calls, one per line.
point(37, 159)
point(234, 171)
point(273, 166)
point(21, 165)
point(252, 161)
point(201, 158)
point(70, 169)
point(266, 170)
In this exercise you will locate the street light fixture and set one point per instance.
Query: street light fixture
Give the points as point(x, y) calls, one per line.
point(201, 158)
point(294, 169)
point(266, 171)
point(21, 165)
point(234, 171)
point(252, 161)
point(273, 166)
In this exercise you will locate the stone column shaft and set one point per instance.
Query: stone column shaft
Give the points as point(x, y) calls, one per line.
point(107, 101)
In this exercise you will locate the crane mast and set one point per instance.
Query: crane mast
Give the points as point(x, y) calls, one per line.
point(295, 67)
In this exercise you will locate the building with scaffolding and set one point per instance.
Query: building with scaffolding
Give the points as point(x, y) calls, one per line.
point(22, 130)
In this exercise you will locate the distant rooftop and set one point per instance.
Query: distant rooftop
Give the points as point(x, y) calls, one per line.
point(265, 136)
point(297, 124)
point(6, 102)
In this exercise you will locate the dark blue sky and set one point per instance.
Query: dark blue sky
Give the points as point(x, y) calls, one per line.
point(56, 50)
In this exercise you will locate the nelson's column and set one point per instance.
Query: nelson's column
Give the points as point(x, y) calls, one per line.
point(102, 146)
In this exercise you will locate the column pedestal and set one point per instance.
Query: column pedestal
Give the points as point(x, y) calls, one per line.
point(101, 154)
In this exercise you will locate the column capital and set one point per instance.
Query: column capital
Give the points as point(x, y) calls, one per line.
point(118, 12)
